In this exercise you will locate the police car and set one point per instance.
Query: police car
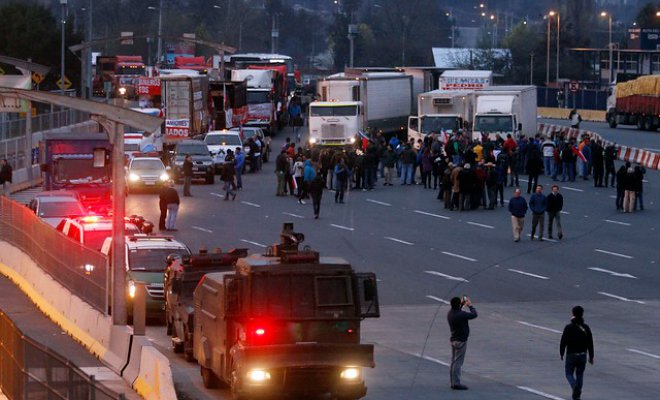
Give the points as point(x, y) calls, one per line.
point(146, 172)
point(92, 230)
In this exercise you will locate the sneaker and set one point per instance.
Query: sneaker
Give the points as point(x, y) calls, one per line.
point(459, 387)
point(560, 236)
point(301, 201)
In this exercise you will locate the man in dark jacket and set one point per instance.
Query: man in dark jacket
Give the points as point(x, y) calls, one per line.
point(621, 175)
point(518, 209)
point(538, 204)
point(576, 342)
point(187, 175)
point(162, 204)
point(534, 167)
point(5, 176)
point(170, 198)
point(460, 330)
point(316, 192)
point(555, 204)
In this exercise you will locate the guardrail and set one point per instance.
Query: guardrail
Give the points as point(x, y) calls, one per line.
point(80, 269)
point(30, 370)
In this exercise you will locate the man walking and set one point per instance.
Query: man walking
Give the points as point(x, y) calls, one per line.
point(162, 204)
point(518, 209)
point(539, 205)
point(187, 175)
point(5, 176)
point(576, 342)
point(316, 192)
point(341, 175)
point(555, 202)
point(460, 330)
point(239, 162)
point(172, 202)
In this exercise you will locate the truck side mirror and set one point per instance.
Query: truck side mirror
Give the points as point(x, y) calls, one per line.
point(519, 127)
point(368, 295)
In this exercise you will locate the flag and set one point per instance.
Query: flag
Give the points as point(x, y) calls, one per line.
point(295, 183)
point(579, 154)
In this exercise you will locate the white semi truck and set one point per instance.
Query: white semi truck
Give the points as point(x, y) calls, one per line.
point(441, 111)
point(505, 110)
point(380, 101)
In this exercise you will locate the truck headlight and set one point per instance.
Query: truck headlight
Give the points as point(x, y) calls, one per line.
point(164, 176)
point(258, 375)
point(312, 140)
point(133, 177)
point(351, 140)
point(350, 373)
point(122, 91)
point(131, 289)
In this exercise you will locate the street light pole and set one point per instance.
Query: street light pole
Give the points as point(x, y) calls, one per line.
point(610, 45)
point(558, 16)
point(63, 3)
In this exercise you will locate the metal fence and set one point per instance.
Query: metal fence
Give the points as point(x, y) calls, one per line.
point(583, 99)
point(15, 127)
point(32, 371)
point(81, 270)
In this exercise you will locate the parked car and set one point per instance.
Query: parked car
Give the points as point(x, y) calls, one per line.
point(219, 142)
point(201, 158)
point(54, 205)
point(145, 173)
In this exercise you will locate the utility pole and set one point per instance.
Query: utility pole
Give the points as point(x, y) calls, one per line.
point(160, 31)
point(63, 3)
point(531, 68)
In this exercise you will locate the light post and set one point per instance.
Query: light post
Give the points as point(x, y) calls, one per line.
point(558, 16)
point(63, 3)
point(160, 29)
point(547, 57)
point(609, 44)
point(352, 33)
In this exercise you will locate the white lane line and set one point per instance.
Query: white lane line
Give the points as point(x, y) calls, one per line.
point(564, 212)
point(617, 274)
point(382, 203)
point(459, 256)
point(247, 203)
point(655, 150)
point(427, 358)
point(346, 228)
point(643, 353)
point(543, 328)
point(399, 241)
point(293, 215)
point(645, 181)
point(451, 278)
point(439, 300)
point(431, 215)
point(528, 274)
point(254, 243)
point(621, 298)
point(217, 195)
point(523, 180)
point(617, 222)
point(540, 393)
point(573, 189)
point(199, 228)
point(612, 197)
point(544, 239)
point(614, 254)
point(481, 225)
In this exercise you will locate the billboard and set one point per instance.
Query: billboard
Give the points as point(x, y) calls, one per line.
point(644, 38)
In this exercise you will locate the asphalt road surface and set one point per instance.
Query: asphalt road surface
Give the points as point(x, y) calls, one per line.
point(423, 255)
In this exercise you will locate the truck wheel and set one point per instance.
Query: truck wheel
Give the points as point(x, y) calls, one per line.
point(611, 119)
point(208, 378)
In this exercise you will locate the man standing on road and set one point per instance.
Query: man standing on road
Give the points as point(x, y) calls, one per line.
point(162, 203)
point(316, 192)
point(576, 342)
point(239, 162)
point(538, 203)
point(187, 175)
point(460, 330)
point(555, 203)
point(518, 209)
point(171, 199)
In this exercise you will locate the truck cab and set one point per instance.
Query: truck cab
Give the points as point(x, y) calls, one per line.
point(334, 123)
point(422, 126)
point(285, 323)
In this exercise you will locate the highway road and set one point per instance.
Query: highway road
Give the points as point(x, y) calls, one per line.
point(423, 255)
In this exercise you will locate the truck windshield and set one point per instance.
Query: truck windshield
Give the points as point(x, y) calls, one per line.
point(493, 123)
point(439, 124)
point(130, 70)
point(151, 165)
point(151, 259)
point(333, 111)
point(76, 170)
point(257, 97)
point(193, 149)
point(224, 140)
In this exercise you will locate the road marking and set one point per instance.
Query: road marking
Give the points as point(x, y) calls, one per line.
point(293, 215)
point(247, 203)
point(254, 243)
point(431, 215)
point(538, 327)
point(346, 228)
point(528, 274)
point(481, 225)
point(459, 256)
point(427, 358)
point(540, 393)
point(439, 300)
point(617, 274)
point(573, 189)
point(399, 241)
point(217, 195)
point(564, 212)
point(643, 353)
point(451, 278)
point(544, 239)
point(523, 180)
point(382, 203)
point(199, 228)
point(617, 222)
point(621, 298)
point(614, 254)
point(612, 197)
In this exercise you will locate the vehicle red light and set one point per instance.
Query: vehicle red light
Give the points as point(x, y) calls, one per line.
point(260, 331)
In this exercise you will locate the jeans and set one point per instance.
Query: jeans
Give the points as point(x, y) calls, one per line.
point(568, 169)
point(187, 181)
point(619, 198)
point(389, 172)
point(548, 165)
point(172, 211)
point(574, 369)
point(458, 350)
point(230, 189)
point(538, 220)
point(639, 201)
point(280, 183)
point(239, 181)
point(163, 216)
point(407, 173)
point(555, 216)
point(339, 194)
point(532, 182)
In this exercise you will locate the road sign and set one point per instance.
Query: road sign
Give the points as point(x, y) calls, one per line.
point(67, 83)
point(37, 78)
point(573, 86)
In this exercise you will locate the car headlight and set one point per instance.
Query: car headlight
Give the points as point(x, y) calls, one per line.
point(131, 289)
point(164, 176)
point(178, 163)
point(350, 373)
point(133, 177)
point(312, 140)
point(258, 375)
point(122, 91)
point(352, 140)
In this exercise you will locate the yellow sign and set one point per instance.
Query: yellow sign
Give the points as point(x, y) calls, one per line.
point(37, 78)
point(67, 83)
point(2, 71)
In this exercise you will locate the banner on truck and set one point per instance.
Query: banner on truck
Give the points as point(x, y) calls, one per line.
point(149, 86)
point(465, 80)
point(177, 128)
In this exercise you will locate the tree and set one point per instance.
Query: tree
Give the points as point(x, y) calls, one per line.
point(524, 40)
point(646, 18)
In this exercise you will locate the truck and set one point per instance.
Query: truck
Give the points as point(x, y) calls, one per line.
point(440, 111)
point(80, 162)
point(194, 63)
point(635, 102)
point(503, 110)
point(121, 73)
point(285, 323)
point(260, 105)
point(181, 278)
point(334, 123)
point(228, 104)
point(185, 105)
point(383, 101)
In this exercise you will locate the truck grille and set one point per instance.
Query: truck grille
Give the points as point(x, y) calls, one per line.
point(156, 290)
point(332, 131)
point(321, 379)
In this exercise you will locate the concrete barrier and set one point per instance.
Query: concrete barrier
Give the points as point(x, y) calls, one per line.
point(562, 113)
point(154, 381)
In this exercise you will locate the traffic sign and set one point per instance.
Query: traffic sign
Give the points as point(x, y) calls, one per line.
point(37, 78)
point(573, 86)
point(67, 83)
